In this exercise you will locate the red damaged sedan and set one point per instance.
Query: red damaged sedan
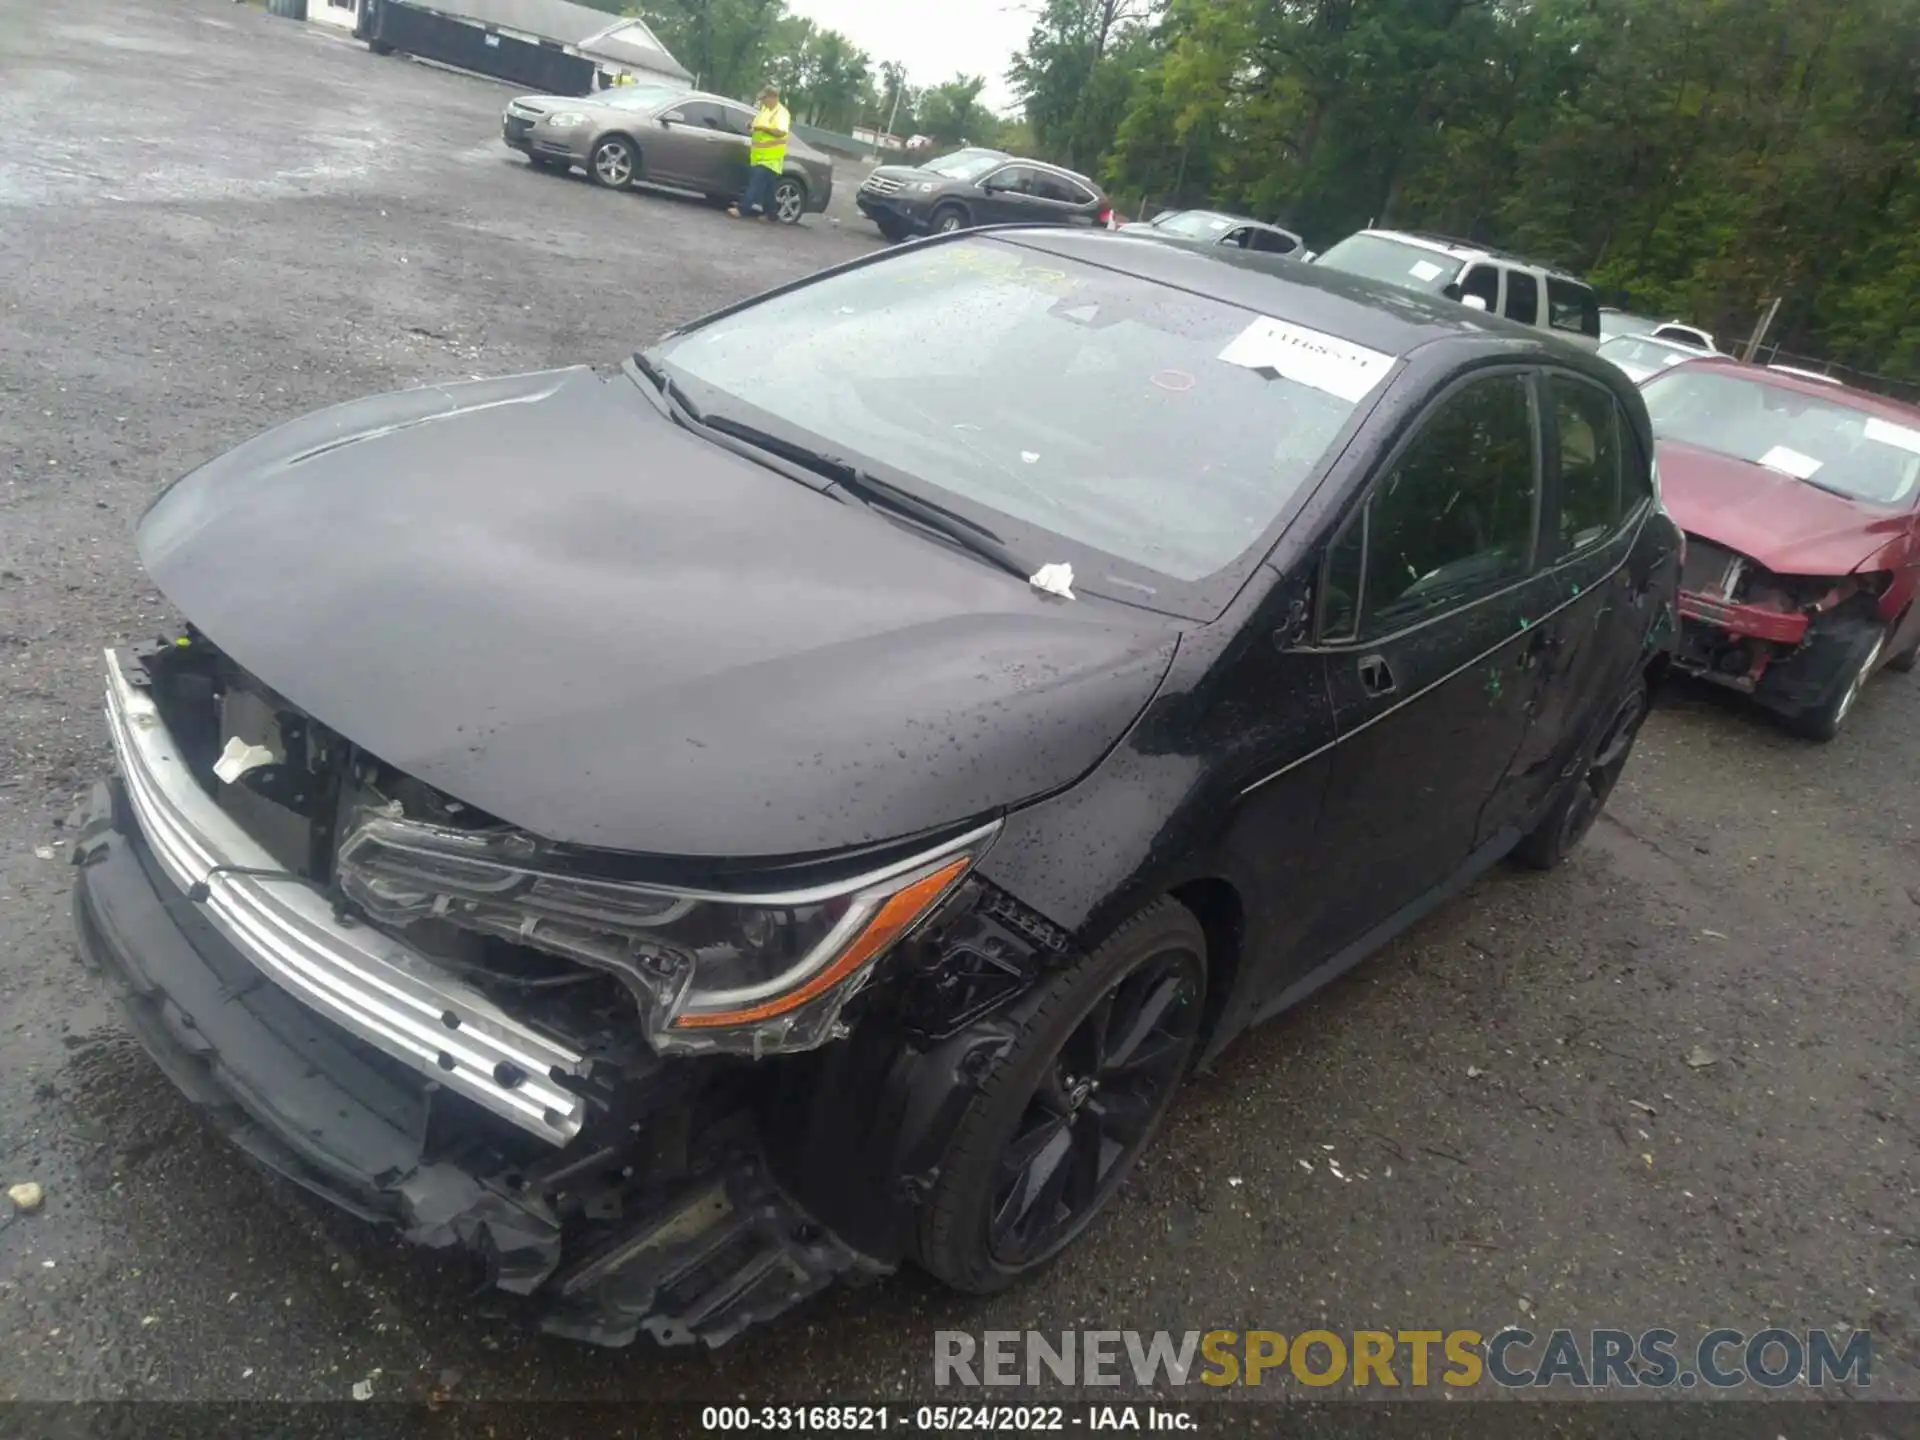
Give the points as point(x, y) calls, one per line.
point(1801, 505)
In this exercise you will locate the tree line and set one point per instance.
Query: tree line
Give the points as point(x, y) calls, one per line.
point(1691, 157)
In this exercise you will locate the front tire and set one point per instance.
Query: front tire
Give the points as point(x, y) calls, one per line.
point(1580, 802)
point(1061, 1117)
point(949, 217)
point(1865, 641)
point(613, 162)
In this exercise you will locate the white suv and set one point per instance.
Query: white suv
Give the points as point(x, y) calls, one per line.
point(1520, 289)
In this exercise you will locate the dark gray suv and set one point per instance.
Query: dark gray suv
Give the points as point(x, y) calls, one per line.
point(978, 187)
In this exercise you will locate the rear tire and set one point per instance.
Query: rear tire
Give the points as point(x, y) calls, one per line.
point(1582, 799)
point(1041, 1150)
point(789, 200)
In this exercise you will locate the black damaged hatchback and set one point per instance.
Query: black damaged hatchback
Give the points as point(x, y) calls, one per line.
point(797, 803)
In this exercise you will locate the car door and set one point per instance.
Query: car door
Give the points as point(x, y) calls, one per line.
point(691, 147)
point(1595, 591)
point(1423, 620)
point(1522, 301)
point(736, 123)
point(1005, 195)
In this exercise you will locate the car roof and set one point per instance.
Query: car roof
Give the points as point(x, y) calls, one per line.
point(1822, 388)
point(1379, 316)
point(1468, 250)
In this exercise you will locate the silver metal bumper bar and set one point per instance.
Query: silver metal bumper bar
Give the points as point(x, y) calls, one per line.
point(389, 995)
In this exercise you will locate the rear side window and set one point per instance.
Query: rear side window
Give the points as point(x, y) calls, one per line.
point(1272, 241)
point(1593, 496)
point(1049, 186)
point(1523, 297)
point(1454, 518)
point(1571, 306)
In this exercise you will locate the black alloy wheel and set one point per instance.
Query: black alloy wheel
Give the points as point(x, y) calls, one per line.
point(1091, 1112)
point(1067, 1111)
point(1580, 804)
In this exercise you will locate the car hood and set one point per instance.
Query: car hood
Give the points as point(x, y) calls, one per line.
point(1789, 526)
point(548, 600)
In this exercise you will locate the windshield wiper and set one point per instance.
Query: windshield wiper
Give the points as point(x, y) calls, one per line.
point(667, 386)
point(878, 494)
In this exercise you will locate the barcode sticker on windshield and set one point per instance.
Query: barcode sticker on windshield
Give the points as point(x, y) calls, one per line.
point(1424, 270)
point(1790, 462)
point(1887, 433)
point(1293, 352)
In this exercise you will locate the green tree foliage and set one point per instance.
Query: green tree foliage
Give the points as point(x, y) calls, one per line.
point(952, 113)
point(1692, 156)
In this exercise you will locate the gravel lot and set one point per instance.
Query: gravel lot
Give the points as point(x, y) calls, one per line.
point(214, 220)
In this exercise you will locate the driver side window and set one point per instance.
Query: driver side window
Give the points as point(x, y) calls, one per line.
point(1451, 521)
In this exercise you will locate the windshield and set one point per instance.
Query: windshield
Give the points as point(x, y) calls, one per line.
point(1140, 421)
point(636, 97)
point(1413, 267)
point(1619, 322)
point(1640, 356)
point(1825, 443)
point(965, 164)
point(1195, 224)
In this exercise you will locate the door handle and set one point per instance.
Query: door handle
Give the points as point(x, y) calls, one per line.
point(1376, 676)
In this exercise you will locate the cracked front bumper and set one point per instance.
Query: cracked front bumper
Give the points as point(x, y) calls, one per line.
point(699, 1254)
point(355, 976)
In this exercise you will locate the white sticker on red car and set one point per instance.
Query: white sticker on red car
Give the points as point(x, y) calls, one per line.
point(1888, 433)
point(1293, 352)
point(1790, 462)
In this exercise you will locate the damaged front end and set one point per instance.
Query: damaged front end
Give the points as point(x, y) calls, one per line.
point(1748, 629)
point(610, 1084)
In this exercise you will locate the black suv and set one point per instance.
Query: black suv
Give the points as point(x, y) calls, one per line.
point(978, 187)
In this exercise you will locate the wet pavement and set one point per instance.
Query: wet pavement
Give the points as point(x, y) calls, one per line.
point(1673, 1084)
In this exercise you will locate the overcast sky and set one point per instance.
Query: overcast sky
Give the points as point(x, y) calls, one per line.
point(935, 41)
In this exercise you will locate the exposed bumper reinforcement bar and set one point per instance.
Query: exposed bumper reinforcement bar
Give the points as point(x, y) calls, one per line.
point(361, 979)
point(698, 1259)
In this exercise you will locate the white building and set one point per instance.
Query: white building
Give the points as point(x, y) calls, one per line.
point(344, 13)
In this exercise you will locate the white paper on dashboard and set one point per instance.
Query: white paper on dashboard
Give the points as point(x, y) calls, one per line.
point(1296, 353)
point(1888, 433)
point(1424, 270)
point(1790, 462)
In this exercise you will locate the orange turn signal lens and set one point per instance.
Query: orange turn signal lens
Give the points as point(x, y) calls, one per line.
point(902, 910)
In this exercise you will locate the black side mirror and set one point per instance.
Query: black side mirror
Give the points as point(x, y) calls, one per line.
point(1452, 292)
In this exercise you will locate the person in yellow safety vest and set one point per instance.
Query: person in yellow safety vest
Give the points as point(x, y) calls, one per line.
point(767, 158)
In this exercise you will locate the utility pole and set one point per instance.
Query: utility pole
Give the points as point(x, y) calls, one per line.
point(894, 114)
point(1760, 330)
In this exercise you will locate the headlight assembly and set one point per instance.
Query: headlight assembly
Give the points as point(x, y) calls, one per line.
point(567, 120)
point(751, 973)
